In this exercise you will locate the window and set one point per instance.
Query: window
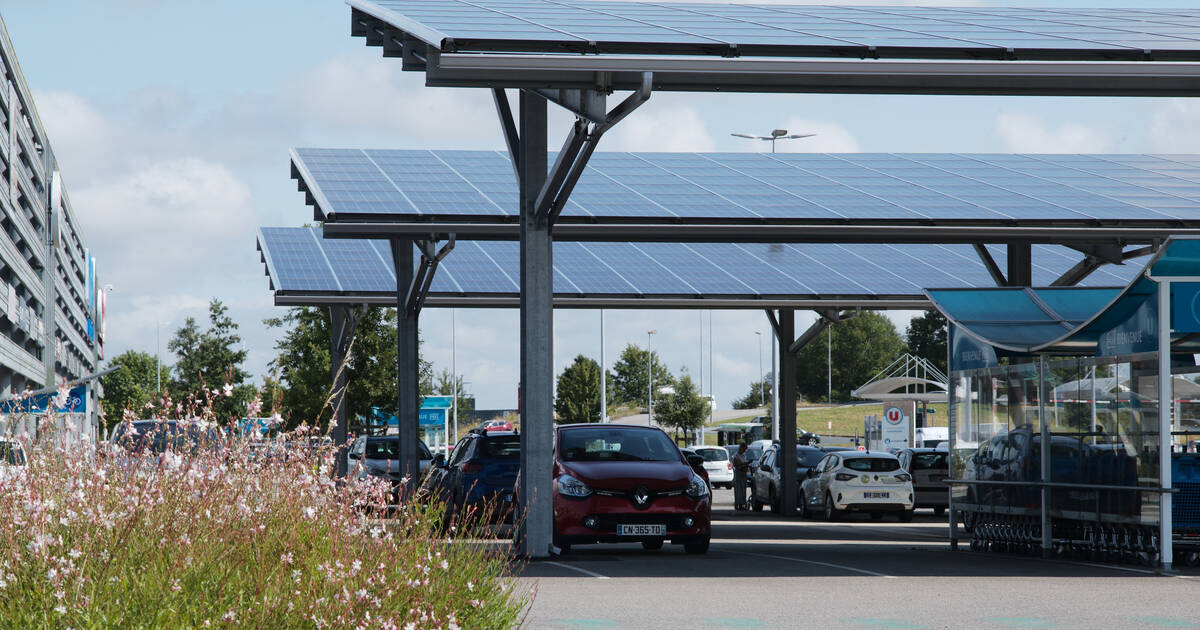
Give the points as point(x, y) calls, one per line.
point(713, 454)
point(872, 464)
point(460, 451)
point(930, 461)
point(507, 447)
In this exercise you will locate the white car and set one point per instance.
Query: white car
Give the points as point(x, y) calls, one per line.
point(717, 464)
point(857, 481)
point(12, 459)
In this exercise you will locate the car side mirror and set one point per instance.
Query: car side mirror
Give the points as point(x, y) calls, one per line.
point(354, 455)
point(765, 468)
point(695, 461)
point(812, 472)
point(439, 461)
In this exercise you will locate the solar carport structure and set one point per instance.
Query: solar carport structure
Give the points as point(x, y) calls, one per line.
point(576, 54)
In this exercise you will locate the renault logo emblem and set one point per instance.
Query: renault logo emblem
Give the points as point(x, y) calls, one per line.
point(641, 496)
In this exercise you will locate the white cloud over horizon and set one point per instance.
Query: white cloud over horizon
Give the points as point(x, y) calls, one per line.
point(1024, 133)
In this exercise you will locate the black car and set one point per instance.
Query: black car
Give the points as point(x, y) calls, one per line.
point(767, 479)
point(929, 469)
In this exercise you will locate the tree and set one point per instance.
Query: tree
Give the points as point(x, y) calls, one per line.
point(926, 338)
point(443, 385)
point(755, 398)
point(629, 375)
point(209, 360)
point(578, 392)
point(132, 386)
point(685, 409)
point(303, 365)
point(862, 346)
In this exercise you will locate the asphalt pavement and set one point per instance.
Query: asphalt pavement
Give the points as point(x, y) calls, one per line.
point(763, 571)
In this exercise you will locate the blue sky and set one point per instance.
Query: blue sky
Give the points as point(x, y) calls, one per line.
point(171, 121)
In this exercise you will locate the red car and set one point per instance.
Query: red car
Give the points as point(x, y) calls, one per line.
point(497, 425)
point(624, 483)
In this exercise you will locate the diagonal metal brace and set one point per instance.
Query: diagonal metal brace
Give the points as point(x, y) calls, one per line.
point(827, 318)
point(423, 278)
point(581, 142)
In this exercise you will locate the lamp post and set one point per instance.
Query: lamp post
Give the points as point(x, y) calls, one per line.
point(777, 134)
point(762, 382)
point(603, 378)
point(649, 380)
point(453, 375)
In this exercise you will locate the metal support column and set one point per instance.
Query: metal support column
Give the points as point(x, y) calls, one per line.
point(1020, 265)
point(1165, 404)
point(407, 371)
point(1047, 529)
point(535, 535)
point(342, 321)
point(787, 411)
point(952, 431)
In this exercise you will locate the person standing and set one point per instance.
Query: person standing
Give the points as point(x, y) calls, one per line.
point(741, 466)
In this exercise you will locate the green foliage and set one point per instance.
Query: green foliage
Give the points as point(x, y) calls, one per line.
point(578, 392)
point(304, 372)
point(926, 337)
point(862, 346)
point(629, 375)
point(755, 398)
point(132, 386)
point(685, 409)
point(443, 385)
point(208, 361)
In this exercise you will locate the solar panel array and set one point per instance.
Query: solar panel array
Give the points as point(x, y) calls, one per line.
point(300, 261)
point(350, 184)
point(595, 26)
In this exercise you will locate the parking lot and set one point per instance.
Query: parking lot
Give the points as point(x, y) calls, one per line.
point(767, 572)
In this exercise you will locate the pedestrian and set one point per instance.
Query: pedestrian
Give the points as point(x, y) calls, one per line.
point(741, 466)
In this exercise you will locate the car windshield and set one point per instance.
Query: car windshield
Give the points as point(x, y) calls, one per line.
point(713, 454)
point(11, 454)
point(502, 447)
point(871, 464)
point(930, 461)
point(808, 457)
point(614, 444)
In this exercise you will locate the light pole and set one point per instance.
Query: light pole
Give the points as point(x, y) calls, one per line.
point(603, 378)
point(649, 379)
point(762, 382)
point(777, 134)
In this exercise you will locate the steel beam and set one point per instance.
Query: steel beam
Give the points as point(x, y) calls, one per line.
point(640, 230)
point(689, 302)
point(786, 331)
point(837, 76)
point(827, 317)
point(1020, 265)
point(534, 535)
point(989, 263)
point(1078, 272)
point(343, 319)
point(508, 126)
point(407, 395)
point(418, 290)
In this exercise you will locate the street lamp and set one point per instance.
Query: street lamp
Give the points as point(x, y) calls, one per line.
point(649, 379)
point(777, 134)
point(762, 384)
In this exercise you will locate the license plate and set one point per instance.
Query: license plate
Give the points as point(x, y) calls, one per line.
point(641, 530)
point(875, 495)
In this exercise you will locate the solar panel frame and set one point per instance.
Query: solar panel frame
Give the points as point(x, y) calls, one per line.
point(648, 28)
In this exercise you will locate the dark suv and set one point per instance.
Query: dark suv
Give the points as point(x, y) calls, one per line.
point(480, 475)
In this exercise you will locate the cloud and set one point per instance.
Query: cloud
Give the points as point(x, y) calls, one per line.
point(1023, 133)
point(668, 128)
point(830, 138)
point(1175, 127)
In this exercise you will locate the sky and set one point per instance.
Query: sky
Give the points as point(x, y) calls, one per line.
point(172, 120)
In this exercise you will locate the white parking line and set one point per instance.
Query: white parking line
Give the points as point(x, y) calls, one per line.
point(575, 568)
point(824, 564)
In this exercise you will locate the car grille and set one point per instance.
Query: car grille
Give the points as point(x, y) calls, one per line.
point(609, 522)
point(654, 495)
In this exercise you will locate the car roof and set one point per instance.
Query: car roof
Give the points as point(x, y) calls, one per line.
point(607, 425)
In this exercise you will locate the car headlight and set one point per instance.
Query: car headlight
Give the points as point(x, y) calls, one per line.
point(697, 488)
point(572, 487)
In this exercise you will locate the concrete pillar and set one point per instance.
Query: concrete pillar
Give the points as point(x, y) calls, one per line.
point(408, 400)
point(787, 411)
point(535, 535)
point(339, 317)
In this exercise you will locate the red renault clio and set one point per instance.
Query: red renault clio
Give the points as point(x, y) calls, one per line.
point(625, 483)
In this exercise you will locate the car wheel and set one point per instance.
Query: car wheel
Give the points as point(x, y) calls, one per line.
point(876, 516)
point(755, 503)
point(968, 521)
point(831, 512)
point(774, 500)
point(939, 510)
point(804, 513)
point(652, 545)
point(906, 516)
point(696, 547)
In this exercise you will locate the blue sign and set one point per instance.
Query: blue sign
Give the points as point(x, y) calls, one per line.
point(432, 417)
point(76, 402)
point(1185, 307)
point(437, 402)
point(1138, 333)
point(968, 353)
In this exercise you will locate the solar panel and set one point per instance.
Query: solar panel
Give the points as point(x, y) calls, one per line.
point(598, 27)
point(356, 185)
point(302, 263)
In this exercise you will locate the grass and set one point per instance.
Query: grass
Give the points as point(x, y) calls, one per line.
point(838, 420)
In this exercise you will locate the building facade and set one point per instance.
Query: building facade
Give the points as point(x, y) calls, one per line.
point(49, 298)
